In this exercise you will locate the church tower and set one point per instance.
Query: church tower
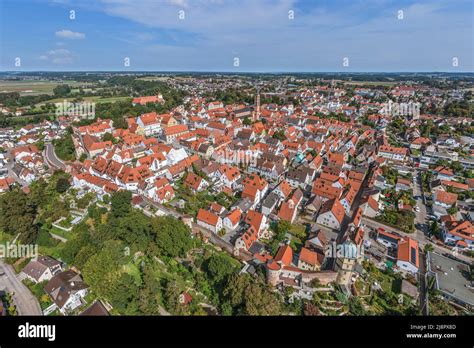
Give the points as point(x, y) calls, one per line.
point(256, 112)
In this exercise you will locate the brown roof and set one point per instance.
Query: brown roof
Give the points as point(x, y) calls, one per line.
point(96, 309)
point(63, 285)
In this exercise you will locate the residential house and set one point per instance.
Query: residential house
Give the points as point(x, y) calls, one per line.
point(408, 257)
point(209, 221)
point(41, 269)
point(67, 290)
point(332, 214)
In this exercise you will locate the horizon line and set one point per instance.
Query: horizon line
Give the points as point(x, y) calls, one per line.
point(236, 72)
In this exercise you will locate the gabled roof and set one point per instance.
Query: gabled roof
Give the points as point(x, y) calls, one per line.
point(310, 257)
point(335, 207)
point(207, 217)
point(408, 251)
point(234, 216)
point(284, 255)
point(445, 197)
point(193, 181)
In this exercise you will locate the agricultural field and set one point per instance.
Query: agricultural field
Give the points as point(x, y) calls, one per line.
point(32, 87)
point(95, 99)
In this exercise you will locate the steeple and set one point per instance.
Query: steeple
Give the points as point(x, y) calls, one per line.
point(256, 112)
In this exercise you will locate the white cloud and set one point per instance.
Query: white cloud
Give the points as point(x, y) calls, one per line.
point(59, 51)
point(261, 34)
point(62, 60)
point(58, 56)
point(70, 35)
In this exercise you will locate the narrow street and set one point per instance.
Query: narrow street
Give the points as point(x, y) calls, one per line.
point(421, 221)
point(423, 286)
point(25, 302)
point(51, 158)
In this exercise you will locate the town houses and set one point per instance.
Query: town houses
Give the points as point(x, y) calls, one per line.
point(278, 185)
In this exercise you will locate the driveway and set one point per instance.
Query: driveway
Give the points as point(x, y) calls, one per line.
point(25, 302)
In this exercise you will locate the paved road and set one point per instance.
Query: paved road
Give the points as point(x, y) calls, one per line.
point(423, 285)
point(421, 242)
point(421, 220)
point(216, 240)
point(51, 157)
point(25, 302)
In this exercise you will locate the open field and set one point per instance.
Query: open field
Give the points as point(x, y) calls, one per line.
point(95, 99)
point(32, 87)
point(370, 83)
point(153, 78)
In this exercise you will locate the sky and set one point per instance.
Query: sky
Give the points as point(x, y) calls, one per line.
point(237, 35)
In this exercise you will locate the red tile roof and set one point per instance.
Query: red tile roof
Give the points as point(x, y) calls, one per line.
point(284, 255)
point(207, 217)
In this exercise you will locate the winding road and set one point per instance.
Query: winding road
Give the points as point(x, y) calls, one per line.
point(51, 157)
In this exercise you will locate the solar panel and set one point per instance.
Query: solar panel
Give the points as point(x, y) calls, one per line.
point(413, 255)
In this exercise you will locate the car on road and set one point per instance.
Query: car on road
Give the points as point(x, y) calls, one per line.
point(417, 208)
point(2, 273)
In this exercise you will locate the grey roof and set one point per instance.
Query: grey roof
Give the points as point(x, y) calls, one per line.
point(34, 269)
point(452, 277)
point(243, 204)
point(255, 248)
point(271, 200)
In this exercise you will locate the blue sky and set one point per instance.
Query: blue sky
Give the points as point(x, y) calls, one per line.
point(260, 33)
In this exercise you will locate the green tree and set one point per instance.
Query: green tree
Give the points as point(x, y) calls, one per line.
point(103, 270)
point(108, 137)
point(61, 90)
point(124, 295)
point(247, 121)
point(121, 203)
point(64, 148)
point(172, 236)
point(17, 216)
point(171, 297)
point(248, 296)
point(62, 185)
point(220, 266)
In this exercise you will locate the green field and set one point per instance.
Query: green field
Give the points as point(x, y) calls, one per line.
point(32, 87)
point(96, 99)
